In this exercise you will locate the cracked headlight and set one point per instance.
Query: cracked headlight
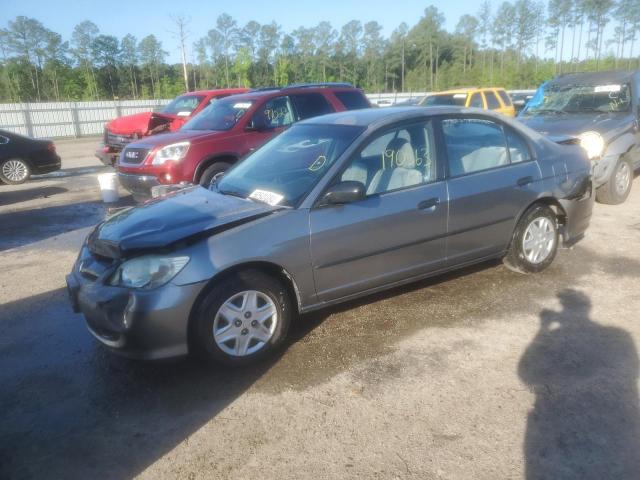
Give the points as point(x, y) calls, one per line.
point(593, 143)
point(147, 272)
point(175, 151)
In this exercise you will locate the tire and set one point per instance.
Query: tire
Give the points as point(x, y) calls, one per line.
point(538, 219)
point(211, 171)
point(259, 337)
point(14, 171)
point(618, 187)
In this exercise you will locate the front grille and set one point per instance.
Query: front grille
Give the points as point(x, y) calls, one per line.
point(118, 141)
point(134, 155)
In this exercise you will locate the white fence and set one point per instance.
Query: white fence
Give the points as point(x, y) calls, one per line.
point(78, 119)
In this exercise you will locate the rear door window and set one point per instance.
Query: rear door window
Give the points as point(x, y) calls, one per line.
point(310, 105)
point(476, 101)
point(473, 145)
point(518, 149)
point(352, 100)
point(492, 100)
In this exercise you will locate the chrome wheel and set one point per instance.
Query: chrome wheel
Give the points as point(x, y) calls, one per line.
point(15, 171)
point(539, 240)
point(245, 323)
point(623, 178)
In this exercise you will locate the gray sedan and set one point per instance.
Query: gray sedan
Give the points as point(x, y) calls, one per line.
point(335, 208)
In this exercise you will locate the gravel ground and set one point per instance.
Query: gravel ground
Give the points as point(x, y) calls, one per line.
point(481, 374)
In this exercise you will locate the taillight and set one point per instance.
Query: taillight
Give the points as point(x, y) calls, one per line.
point(51, 147)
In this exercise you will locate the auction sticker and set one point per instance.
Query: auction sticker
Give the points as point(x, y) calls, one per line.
point(607, 88)
point(266, 196)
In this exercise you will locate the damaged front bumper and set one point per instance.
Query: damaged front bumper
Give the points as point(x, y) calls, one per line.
point(145, 324)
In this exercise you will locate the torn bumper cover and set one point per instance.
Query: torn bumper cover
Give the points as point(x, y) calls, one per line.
point(147, 324)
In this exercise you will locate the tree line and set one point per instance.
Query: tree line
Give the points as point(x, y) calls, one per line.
point(515, 44)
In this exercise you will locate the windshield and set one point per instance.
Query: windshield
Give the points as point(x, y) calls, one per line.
point(455, 99)
point(574, 98)
point(183, 105)
point(285, 170)
point(220, 115)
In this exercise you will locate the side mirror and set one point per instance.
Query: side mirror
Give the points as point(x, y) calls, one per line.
point(344, 192)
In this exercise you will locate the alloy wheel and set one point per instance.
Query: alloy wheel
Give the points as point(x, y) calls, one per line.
point(245, 323)
point(15, 170)
point(538, 240)
point(622, 179)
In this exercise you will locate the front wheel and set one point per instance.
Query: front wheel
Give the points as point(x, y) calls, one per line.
point(617, 188)
point(14, 171)
point(535, 241)
point(212, 173)
point(243, 319)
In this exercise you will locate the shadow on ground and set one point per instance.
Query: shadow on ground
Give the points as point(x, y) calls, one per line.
point(586, 421)
point(17, 196)
point(70, 409)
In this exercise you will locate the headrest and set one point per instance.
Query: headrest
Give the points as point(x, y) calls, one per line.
point(403, 155)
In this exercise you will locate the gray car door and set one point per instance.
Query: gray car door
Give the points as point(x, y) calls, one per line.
point(492, 179)
point(397, 231)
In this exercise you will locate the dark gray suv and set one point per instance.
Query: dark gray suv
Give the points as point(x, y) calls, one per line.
point(334, 208)
point(601, 110)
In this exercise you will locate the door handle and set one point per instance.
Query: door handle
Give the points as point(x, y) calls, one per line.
point(429, 203)
point(525, 181)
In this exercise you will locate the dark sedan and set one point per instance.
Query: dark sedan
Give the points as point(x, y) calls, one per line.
point(21, 157)
point(334, 208)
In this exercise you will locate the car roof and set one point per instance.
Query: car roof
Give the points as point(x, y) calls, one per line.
point(276, 91)
point(465, 90)
point(618, 76)
point(215, 91)
point(381, 116)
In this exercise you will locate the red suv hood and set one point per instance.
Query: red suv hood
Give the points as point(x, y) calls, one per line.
point(174, 137)
point(144, 123)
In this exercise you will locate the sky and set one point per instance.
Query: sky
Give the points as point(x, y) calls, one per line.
point(141, 18)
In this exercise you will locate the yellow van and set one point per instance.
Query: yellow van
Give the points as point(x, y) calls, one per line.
point(490, 98)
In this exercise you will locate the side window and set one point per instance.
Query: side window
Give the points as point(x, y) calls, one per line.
point(492, 100)
point(505, 98)
point(476, 100)
point(352, 100)
point(473, 145)
point(400, 158)
point(518, 148)
point(274, 113)
point(311, 105)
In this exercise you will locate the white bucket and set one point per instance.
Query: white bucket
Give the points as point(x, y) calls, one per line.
point(109, 187)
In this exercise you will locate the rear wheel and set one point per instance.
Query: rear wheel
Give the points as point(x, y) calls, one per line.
point(535, 241)
point(243, 319)
point(212, 172)
point(14, 171)
point(618, 187)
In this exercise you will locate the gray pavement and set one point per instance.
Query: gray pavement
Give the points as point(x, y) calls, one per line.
point(481, 374)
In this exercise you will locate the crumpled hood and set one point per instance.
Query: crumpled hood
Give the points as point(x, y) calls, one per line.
point(142, 123)
point(190, 213)
point(575, 124)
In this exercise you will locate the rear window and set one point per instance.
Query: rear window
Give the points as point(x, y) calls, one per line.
point(492, 100)
point(352, 100)
point(505, 98)
point(311, 105)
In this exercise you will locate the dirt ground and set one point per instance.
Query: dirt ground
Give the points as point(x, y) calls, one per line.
point(481, 374)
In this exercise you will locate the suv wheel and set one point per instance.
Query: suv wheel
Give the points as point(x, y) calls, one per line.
point(243, 319)
point(535, 241)
point(14, 171)
point(618, 187)
point(211, 172)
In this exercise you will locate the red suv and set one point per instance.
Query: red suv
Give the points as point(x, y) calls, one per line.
point(129, 128)
point(226, 131)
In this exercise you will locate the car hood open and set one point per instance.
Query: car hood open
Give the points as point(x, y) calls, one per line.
point(575, 124)
point(188, 214)
point(144, 123)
